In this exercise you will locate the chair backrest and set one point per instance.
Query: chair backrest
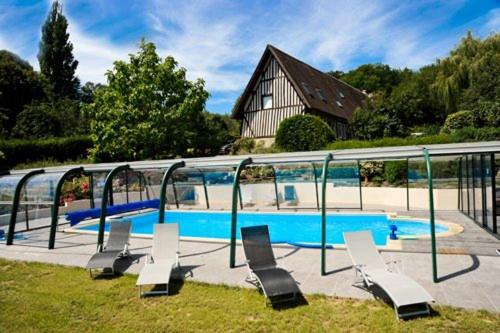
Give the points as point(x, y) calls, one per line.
point(257, 247)
point(363, 251)
point(119, 234)
point(165, 241)
point(289, 193)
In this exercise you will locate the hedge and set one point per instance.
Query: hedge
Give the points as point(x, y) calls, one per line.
point(468, 134)
point(58, 149)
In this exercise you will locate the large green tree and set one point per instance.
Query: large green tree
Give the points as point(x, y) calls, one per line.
point(55, 56)
point(19, 86)
point(148, 109)
point(371, 77)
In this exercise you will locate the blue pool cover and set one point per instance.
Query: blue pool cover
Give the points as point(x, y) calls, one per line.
point(292, 228)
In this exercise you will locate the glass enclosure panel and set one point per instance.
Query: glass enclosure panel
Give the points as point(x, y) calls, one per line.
point(8, 185)
point(470, 173)
point(464, 183)
point(98, 180)
point(488, 192)
point(297, 185)
point(42, 187)
point(35, 204)
point(477, 172)
point(345, 189)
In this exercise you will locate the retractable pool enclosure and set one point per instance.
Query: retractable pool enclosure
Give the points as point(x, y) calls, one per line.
point(182, 181)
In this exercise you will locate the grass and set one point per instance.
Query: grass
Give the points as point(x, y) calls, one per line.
point(37, 297)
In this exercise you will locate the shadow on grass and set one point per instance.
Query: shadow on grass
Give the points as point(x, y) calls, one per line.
point(382, 296)
point(299, 301)
point(120, 266)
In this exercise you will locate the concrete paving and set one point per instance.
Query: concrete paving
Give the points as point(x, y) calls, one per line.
point(468, 281)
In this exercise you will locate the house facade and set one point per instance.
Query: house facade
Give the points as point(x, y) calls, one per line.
point(283, 86)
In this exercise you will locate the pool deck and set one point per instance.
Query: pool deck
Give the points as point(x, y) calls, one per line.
point(467, 280)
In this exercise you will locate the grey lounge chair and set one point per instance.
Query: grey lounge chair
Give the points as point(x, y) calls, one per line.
point(276, 283)
point(163, 259)
point(116, 247)
point(403, 291)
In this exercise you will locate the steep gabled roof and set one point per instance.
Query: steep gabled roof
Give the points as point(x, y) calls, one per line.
point(317, 90)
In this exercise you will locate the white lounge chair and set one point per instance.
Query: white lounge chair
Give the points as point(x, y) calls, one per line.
point(116, 248)
point(163, 259)
point(368, 262)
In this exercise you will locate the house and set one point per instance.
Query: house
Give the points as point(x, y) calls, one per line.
point(283, 86)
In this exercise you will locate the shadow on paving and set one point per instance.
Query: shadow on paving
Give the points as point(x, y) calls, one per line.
point(475, 265)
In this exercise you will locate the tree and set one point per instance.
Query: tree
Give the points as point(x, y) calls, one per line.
point(87, 92)
point(371, 77)
point(303, 132)
point(36, 121)
point(19, 85)
point(148, 109)
point(55, 56)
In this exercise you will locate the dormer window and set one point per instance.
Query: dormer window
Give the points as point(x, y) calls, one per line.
point(321, 95)
point(339, 104)
point(267, 102)
point(307, 89)
point(341, 94)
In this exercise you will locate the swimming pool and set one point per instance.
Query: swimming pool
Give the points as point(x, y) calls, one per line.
point(292, 228)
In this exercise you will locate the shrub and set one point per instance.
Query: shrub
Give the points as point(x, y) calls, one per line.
point(59, 149)
point(36, 121)
point(244, 145)
point(303, 132)
point(395, 172)
point(488, 113)
point(458, 120)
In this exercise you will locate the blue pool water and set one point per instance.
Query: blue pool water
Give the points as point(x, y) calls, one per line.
point(293, 228)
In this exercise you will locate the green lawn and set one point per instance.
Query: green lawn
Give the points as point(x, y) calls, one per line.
point(47, 298)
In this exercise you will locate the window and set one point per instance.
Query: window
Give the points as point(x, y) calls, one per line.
point(321, 95)
point(267, 101)
point(338, 103)
point(341, 94)
point(307, 89)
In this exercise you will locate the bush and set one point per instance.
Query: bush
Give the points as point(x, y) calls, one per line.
point(303, 132)
point(58, 149)
point(488, 113)
point(458, 120)
point(244, 145)
point(36, 122)
point(395, 172)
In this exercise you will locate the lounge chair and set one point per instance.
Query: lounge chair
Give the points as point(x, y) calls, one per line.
point(116, 248)
point(163, 259)
point(290, 195)
point(276, 283)
point(403, 291)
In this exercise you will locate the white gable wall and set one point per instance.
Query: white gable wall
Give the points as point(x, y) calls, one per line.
point(263, 123)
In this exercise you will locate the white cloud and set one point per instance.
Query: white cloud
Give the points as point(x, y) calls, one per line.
point(494, 20)
point(95, 55)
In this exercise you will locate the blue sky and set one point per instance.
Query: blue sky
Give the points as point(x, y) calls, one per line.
point(221, 41)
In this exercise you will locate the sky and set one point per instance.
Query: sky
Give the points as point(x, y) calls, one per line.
point(222, 41)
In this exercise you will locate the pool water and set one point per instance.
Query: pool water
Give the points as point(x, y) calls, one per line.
point(292, 228)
